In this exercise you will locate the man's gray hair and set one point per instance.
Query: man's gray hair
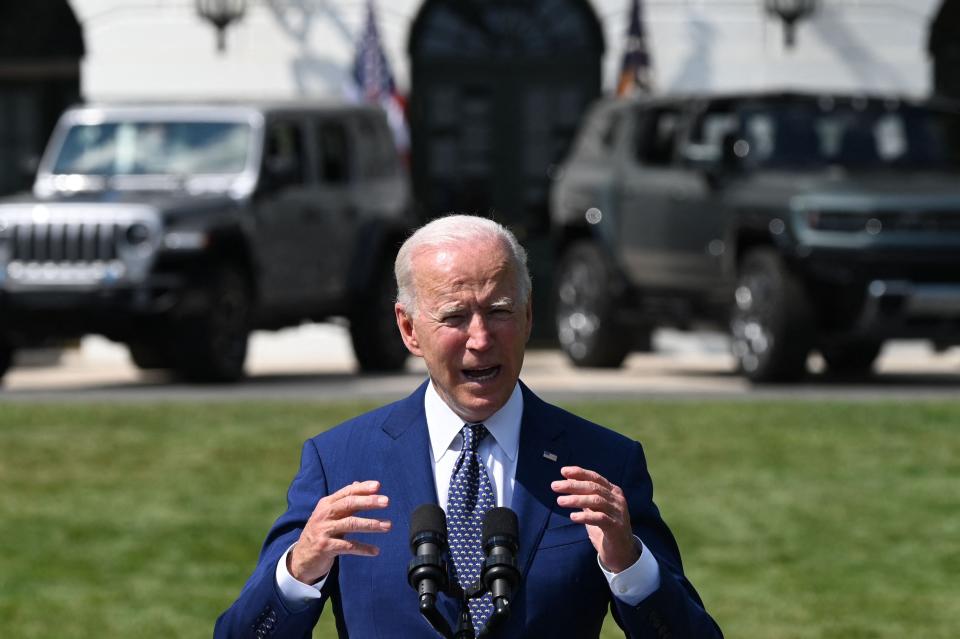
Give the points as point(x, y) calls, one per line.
point(457, 230)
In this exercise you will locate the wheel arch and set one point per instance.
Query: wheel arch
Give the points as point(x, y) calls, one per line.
point(230, 246)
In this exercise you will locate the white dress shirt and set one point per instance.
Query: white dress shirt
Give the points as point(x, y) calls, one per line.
point(499, 455)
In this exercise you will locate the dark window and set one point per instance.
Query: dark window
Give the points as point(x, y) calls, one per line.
point(708, 133)
point(334, 153)
point(283, 159)
point(853, 136)
point(376, 155)
point(657, 136)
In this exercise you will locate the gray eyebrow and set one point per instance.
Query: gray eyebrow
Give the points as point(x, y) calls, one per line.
point(453, 307)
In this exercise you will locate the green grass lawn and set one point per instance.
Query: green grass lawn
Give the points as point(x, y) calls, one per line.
point(795, 520)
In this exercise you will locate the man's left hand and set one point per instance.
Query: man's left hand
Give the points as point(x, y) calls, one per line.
point(604, 512)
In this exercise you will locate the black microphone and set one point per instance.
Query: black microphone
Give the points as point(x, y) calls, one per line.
point(427, 572)
point(501, 540)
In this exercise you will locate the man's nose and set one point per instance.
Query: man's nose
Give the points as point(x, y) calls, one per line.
point(478, 334)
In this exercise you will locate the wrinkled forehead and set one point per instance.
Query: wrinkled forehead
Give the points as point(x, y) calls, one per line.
point(445, 268)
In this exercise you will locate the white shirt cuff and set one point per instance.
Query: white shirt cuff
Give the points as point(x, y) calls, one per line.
point(637, 582)
point(295, 593)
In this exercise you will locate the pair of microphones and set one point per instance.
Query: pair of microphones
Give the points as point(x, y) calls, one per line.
point(427, 572)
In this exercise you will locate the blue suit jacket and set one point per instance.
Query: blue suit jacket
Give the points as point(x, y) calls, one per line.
point(562, 592)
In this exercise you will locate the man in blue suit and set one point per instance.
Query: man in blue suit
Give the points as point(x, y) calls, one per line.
point(590, 536)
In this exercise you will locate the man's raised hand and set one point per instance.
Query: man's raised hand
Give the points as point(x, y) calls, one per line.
point(322, 539)
point(605, 512)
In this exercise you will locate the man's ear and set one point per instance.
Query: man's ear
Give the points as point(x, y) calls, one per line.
point(407, 332)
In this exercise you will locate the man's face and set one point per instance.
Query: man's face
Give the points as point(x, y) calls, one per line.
point(470, 327)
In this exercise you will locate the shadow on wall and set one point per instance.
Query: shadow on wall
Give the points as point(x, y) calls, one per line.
point(313, 73)
point(869, 71)
point(696, 73)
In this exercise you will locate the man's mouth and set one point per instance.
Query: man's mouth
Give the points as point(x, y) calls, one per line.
point(481, 374)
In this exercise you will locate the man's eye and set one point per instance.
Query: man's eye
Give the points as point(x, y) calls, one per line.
point(452, 320)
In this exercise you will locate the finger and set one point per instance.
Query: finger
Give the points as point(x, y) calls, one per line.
point(576, 472)
point(351, 504)
point(590, 502)
point(369, 487)
point(594, 518)
point(323, 508)
point(357, 525)
point(577, 487)
point(351, 547)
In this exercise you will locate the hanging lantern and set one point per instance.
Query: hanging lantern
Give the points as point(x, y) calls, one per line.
point(789, 12)
point(221, 13)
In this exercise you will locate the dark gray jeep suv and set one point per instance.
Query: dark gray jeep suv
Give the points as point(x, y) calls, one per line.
point(178, 229)
point(800, 221)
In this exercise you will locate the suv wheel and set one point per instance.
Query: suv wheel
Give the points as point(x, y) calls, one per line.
point(586, 307)
point(851, 358)
point(376, 339)
point(771, 322)
point(149, 355)
point(212, 346)
point(6, 358)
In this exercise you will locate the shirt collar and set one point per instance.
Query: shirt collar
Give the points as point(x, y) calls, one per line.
point(443, 425)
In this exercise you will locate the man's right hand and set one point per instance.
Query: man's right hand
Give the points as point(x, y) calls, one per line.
point(322, 538)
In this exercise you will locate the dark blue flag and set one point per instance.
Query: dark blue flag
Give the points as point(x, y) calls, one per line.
point(635, 72)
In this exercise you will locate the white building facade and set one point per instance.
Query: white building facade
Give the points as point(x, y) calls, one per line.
point(161, 49)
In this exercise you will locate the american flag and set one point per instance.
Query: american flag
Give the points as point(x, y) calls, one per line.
point(374, 79)
point(636, 72)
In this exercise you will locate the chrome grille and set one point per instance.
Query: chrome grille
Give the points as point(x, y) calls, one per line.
point(65, 242)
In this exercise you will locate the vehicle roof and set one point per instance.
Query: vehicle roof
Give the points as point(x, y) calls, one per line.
point(241, 109)
point(775, 96)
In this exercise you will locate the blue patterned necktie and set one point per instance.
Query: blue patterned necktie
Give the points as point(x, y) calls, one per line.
point(470, 497)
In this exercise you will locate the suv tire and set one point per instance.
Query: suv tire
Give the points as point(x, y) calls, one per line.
point(212, 346)
point(770, 322)
point(376, 339)
point(149, 355)
point(586, 307)
point(6, 359)
point(851, 358)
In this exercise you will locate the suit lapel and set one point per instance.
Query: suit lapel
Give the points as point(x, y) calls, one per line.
point(407, 461)
point(404, 462)
point(533, 500)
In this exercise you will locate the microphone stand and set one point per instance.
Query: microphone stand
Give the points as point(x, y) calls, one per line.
point(428, 608)
point(465, 629)
point(464, 623)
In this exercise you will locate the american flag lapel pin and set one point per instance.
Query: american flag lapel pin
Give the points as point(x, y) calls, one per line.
point(548, 455)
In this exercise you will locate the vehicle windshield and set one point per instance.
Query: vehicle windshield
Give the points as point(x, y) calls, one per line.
point(154, 148)
point(874, 137)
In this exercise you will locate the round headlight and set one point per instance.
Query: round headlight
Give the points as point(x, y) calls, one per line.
point(137, 234)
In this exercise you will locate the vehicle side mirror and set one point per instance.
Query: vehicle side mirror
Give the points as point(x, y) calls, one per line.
point(28, 165)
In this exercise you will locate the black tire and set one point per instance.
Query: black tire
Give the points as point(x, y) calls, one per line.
point(6, 359)
point(771, 323)
point(376, 339)
point(149, 355)
point(851, 358)
point(586, 309)
point(212, 347)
